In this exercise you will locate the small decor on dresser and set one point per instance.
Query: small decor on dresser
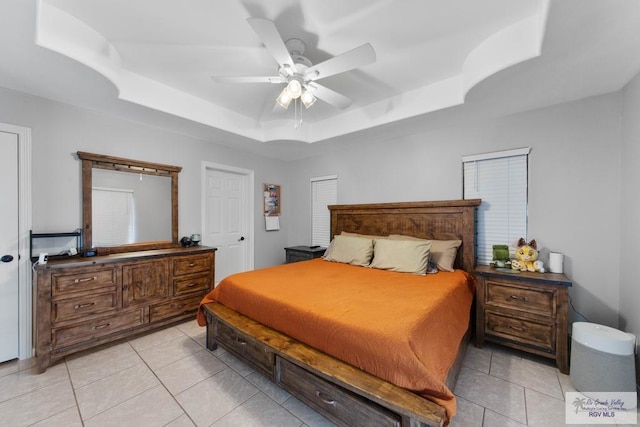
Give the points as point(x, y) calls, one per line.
point(527, 257)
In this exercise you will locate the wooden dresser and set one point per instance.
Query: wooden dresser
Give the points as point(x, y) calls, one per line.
point(523, 310)
point(84, 302)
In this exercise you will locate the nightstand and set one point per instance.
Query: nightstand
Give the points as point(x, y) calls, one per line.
point(523, 310)
point(303, 253)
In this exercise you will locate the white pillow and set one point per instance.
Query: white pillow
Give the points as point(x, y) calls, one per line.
point(405, 256)
point(350, 250)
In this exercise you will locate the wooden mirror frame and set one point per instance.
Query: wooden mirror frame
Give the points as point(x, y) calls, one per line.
point(98, 161)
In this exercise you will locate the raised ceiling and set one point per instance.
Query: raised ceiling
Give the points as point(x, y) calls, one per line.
point(155, 58)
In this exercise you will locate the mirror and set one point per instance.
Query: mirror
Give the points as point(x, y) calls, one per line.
point(128, 205)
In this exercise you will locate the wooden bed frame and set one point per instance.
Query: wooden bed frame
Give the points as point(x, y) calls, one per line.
point(339, 391)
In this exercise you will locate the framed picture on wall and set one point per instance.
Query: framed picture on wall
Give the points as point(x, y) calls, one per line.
point(271, 200)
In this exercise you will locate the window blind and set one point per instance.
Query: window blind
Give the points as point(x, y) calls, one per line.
point(113, 214)
point(324, 192)
point(500, 180)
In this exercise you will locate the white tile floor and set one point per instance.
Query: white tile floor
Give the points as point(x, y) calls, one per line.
point(168, 378)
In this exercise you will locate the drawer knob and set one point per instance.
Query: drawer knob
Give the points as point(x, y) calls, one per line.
point(85, 305)
point(519, 298)
point(325, 398)
point(104, 325)
point(86, 279)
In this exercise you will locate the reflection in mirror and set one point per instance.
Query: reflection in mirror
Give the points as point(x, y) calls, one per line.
point(130, 208)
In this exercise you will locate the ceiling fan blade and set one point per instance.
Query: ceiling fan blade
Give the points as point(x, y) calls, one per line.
point(354, 58)
point(329, 96)
point(272, 40)
point(247, 79)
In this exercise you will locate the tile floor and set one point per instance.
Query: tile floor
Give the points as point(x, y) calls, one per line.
point(168, 378)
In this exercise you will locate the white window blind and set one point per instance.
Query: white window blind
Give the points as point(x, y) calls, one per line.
point(113, 216)
point(500, 180)
point(324, 192)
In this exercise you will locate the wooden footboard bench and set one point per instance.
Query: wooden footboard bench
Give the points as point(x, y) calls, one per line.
point(342, 393)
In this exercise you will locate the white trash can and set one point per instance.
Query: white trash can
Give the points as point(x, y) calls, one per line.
point(602, 359)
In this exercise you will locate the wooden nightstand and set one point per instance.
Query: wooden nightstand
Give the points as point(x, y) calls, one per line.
point(526, 311)
point(303, 253)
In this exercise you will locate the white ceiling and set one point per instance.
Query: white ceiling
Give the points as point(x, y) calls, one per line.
point(152, 61)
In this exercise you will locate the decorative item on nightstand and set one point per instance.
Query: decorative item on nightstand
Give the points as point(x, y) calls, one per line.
point(526, 311)
point(303, 253)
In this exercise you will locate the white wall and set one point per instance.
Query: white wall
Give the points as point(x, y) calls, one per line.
point(574, 176)
point(630, 212)
point(60, 130)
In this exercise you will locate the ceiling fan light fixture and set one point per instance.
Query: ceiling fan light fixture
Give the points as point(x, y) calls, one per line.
point(307, 98)
point(284, 99)
point(294, 88)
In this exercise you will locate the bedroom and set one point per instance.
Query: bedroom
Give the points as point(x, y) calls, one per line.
point(583, 169)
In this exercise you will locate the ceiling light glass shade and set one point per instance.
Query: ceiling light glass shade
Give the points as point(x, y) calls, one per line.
point(284, 99)
point(294, 88)
point(307, 98)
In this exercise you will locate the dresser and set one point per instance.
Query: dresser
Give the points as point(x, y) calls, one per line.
point(84, 302)
point(523, 310)
point(303, 253)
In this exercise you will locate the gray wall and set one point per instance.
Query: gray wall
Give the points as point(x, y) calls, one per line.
point(574, 177)
point(59, 130)
point(630, 212)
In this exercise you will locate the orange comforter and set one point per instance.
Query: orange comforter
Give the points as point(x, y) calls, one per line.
point(400, 327)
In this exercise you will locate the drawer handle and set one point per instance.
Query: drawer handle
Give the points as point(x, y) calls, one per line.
point(326, 399)
point(192, 264)
point(519, 298)
point(104, 325)
point(516, 328)
point(240, 341)
point(88, 304)
point(191, 285)
point(86, 279)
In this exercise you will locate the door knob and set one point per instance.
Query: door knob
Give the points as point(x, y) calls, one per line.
point(6, 258)
point(241, 239)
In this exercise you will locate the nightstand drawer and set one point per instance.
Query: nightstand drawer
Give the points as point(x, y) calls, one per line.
point(520, 330)
point(531, 300)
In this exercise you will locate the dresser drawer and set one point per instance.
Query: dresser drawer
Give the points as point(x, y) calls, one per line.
point(338, 404)
point(72, 308)
point(531, 300)
point(257, 354)
point(81, 280)
point(95, 328)
point(175, 307)
point(527, 332)
point(193, 284)
point(192, 264)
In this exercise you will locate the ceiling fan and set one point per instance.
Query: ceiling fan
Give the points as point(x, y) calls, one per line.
point(297, 72)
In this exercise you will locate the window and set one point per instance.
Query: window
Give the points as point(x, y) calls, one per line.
point(113, 216)
point(500, 180)
point(324, 192)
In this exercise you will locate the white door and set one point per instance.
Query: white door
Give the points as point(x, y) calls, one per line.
point(225, 220)
point(9, 278)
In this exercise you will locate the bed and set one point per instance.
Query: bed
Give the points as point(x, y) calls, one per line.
point(330, 359)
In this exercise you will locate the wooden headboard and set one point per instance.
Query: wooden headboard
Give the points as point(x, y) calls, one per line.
point(441, 220)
